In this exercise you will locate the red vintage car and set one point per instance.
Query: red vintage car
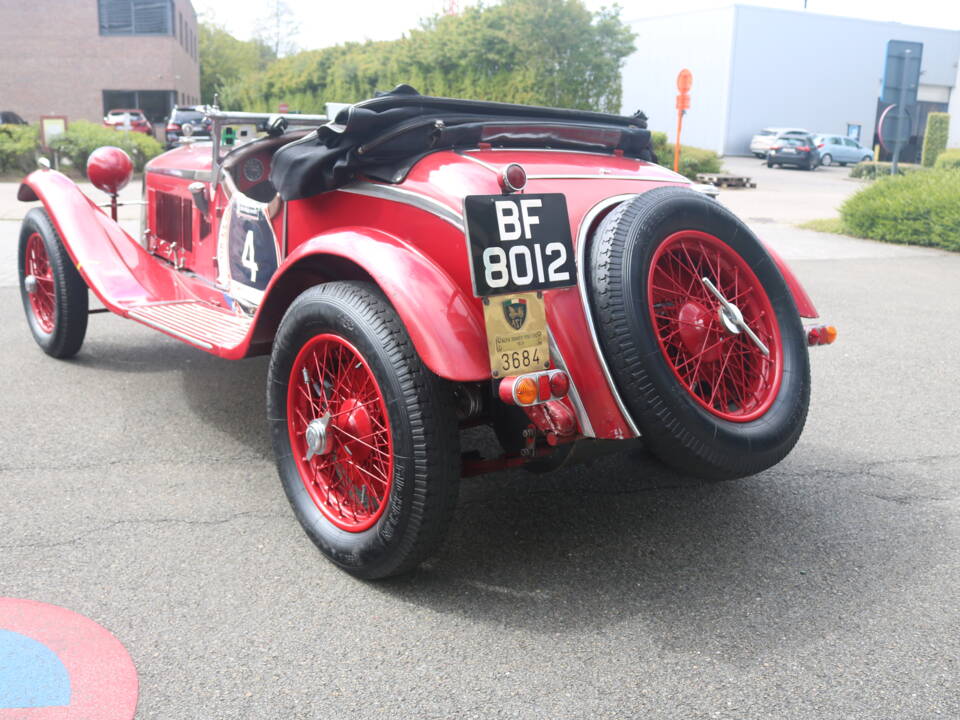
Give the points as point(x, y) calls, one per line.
point(420, 265)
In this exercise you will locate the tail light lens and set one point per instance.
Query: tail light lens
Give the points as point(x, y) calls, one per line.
point(513, 178)
point(173, 127)
point(534, 388)
point(804, 148)
point(775, 147)
point(820, 145)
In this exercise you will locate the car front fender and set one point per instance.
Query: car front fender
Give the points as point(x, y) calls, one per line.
point(446, 328)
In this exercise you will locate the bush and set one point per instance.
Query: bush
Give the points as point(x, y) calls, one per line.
point(935, 138)
point(916, 209)
point(693, 160)
point(871, 170)
point(82, 138)
point(948, 160)
point(18, 148)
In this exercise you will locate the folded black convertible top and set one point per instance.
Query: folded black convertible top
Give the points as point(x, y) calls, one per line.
point(384, 137)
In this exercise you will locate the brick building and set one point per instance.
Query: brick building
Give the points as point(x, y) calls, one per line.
point(80, 58)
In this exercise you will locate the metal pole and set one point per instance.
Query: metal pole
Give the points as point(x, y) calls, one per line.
point(901, 113)
point(676, 147)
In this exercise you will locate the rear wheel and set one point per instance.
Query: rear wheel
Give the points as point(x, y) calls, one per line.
point(54, 295)
point(718, 388)
point(365, 436)
point(826, 160)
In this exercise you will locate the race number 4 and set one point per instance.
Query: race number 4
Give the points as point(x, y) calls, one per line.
point(248, 256)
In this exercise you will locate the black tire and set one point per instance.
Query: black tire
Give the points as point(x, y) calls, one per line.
point(811, 165)
point(421, 418)
point(827, 160)
point(70, 298)
point(674, 426)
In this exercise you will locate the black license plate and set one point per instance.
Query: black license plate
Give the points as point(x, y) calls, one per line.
point(519, 243)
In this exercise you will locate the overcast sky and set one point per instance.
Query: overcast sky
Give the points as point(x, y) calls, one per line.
point(330, 23)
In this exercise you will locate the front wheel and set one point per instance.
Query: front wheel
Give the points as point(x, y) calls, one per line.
point(826, 160)
point(701, 333)
point(365, 436)
point(54, 295)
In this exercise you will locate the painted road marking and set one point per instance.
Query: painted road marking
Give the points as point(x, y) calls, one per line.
point(58, 665)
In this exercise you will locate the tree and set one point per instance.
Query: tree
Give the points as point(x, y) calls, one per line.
point(546, 52)
point(224, 59)
point(278, 29)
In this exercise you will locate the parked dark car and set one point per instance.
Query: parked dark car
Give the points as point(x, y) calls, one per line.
point(187, 121)
point(8, 117)
point(799, 150)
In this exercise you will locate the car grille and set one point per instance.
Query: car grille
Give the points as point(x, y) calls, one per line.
point(174, 220)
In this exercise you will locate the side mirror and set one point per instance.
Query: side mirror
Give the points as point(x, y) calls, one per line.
point(276, 125)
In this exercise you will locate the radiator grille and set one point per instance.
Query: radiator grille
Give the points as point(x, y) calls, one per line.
point(175, 220)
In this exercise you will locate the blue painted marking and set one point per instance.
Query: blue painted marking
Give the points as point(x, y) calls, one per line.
point(31, 674)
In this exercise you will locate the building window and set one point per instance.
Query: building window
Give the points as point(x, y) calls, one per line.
point(136, 17)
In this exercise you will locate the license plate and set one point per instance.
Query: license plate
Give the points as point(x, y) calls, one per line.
point(518, 243)
point(516, 333)
point(789, 150)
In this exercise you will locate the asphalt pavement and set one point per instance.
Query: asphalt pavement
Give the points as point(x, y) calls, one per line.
point(139, 490)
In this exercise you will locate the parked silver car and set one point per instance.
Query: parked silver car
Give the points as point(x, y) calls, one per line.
point(762, 141)
point(841, 150)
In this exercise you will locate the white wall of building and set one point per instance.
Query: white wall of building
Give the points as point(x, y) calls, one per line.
point(755, 67)
point(821, 72)
point(698, 41)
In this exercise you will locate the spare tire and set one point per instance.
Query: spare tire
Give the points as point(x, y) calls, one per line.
point(718, 388)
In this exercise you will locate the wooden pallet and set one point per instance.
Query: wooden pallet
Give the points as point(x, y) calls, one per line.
point(725, 181)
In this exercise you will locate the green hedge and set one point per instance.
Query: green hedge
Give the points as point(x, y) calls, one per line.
point(18, 148)
point(693, 160)
point(871, 170)
point(948, 160)
point(82, 138)
point(915, 209)
point(935, 138)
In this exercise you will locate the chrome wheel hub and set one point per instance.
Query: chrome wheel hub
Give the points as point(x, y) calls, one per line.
point(30, 284)
point(318, 437)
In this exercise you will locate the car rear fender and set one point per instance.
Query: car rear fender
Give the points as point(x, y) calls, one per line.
point(445, 326)
point(804, 303)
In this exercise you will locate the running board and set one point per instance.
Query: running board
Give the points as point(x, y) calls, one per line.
point(207, 326)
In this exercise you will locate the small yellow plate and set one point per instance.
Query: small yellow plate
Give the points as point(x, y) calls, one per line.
point(516, 333)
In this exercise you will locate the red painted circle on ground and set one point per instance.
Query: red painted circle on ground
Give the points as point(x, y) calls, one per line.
point(103, 679)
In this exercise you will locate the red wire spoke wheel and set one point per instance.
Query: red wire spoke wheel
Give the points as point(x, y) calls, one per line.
point(366, 437)
point(700, 334)
point(332, 391)
point(718, 363)
point(42, 298)
point(54, 294)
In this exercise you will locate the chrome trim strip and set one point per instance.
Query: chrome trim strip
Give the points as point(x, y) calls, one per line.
point(586, 427)
point(201, 175)
point(478, 161)
point(163, 328)
point(407, 197)
point(651, 178)
point(582, 283)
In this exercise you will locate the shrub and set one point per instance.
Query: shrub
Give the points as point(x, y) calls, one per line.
point(82, 138)
point(916, 209)
point(18, 148)
point(871, 170)
point(948, 160)
point(693, 160)
point(935, 138)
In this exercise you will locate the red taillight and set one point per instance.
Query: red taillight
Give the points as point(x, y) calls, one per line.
point(173, 127)
point(804, 148)
point(820, 145)
point(534, 388)
point(513, 178)
point(776, 147)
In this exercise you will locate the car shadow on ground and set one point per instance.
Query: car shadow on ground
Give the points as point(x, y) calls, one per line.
point(695, 567)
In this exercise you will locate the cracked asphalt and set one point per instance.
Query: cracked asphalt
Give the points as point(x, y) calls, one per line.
point(139, 490)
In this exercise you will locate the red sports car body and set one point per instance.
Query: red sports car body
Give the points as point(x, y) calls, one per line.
point(421, 265)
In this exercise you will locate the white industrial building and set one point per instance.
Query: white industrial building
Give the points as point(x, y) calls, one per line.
point(756, 67)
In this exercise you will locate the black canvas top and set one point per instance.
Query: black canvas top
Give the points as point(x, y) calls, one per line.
point(383, 137)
